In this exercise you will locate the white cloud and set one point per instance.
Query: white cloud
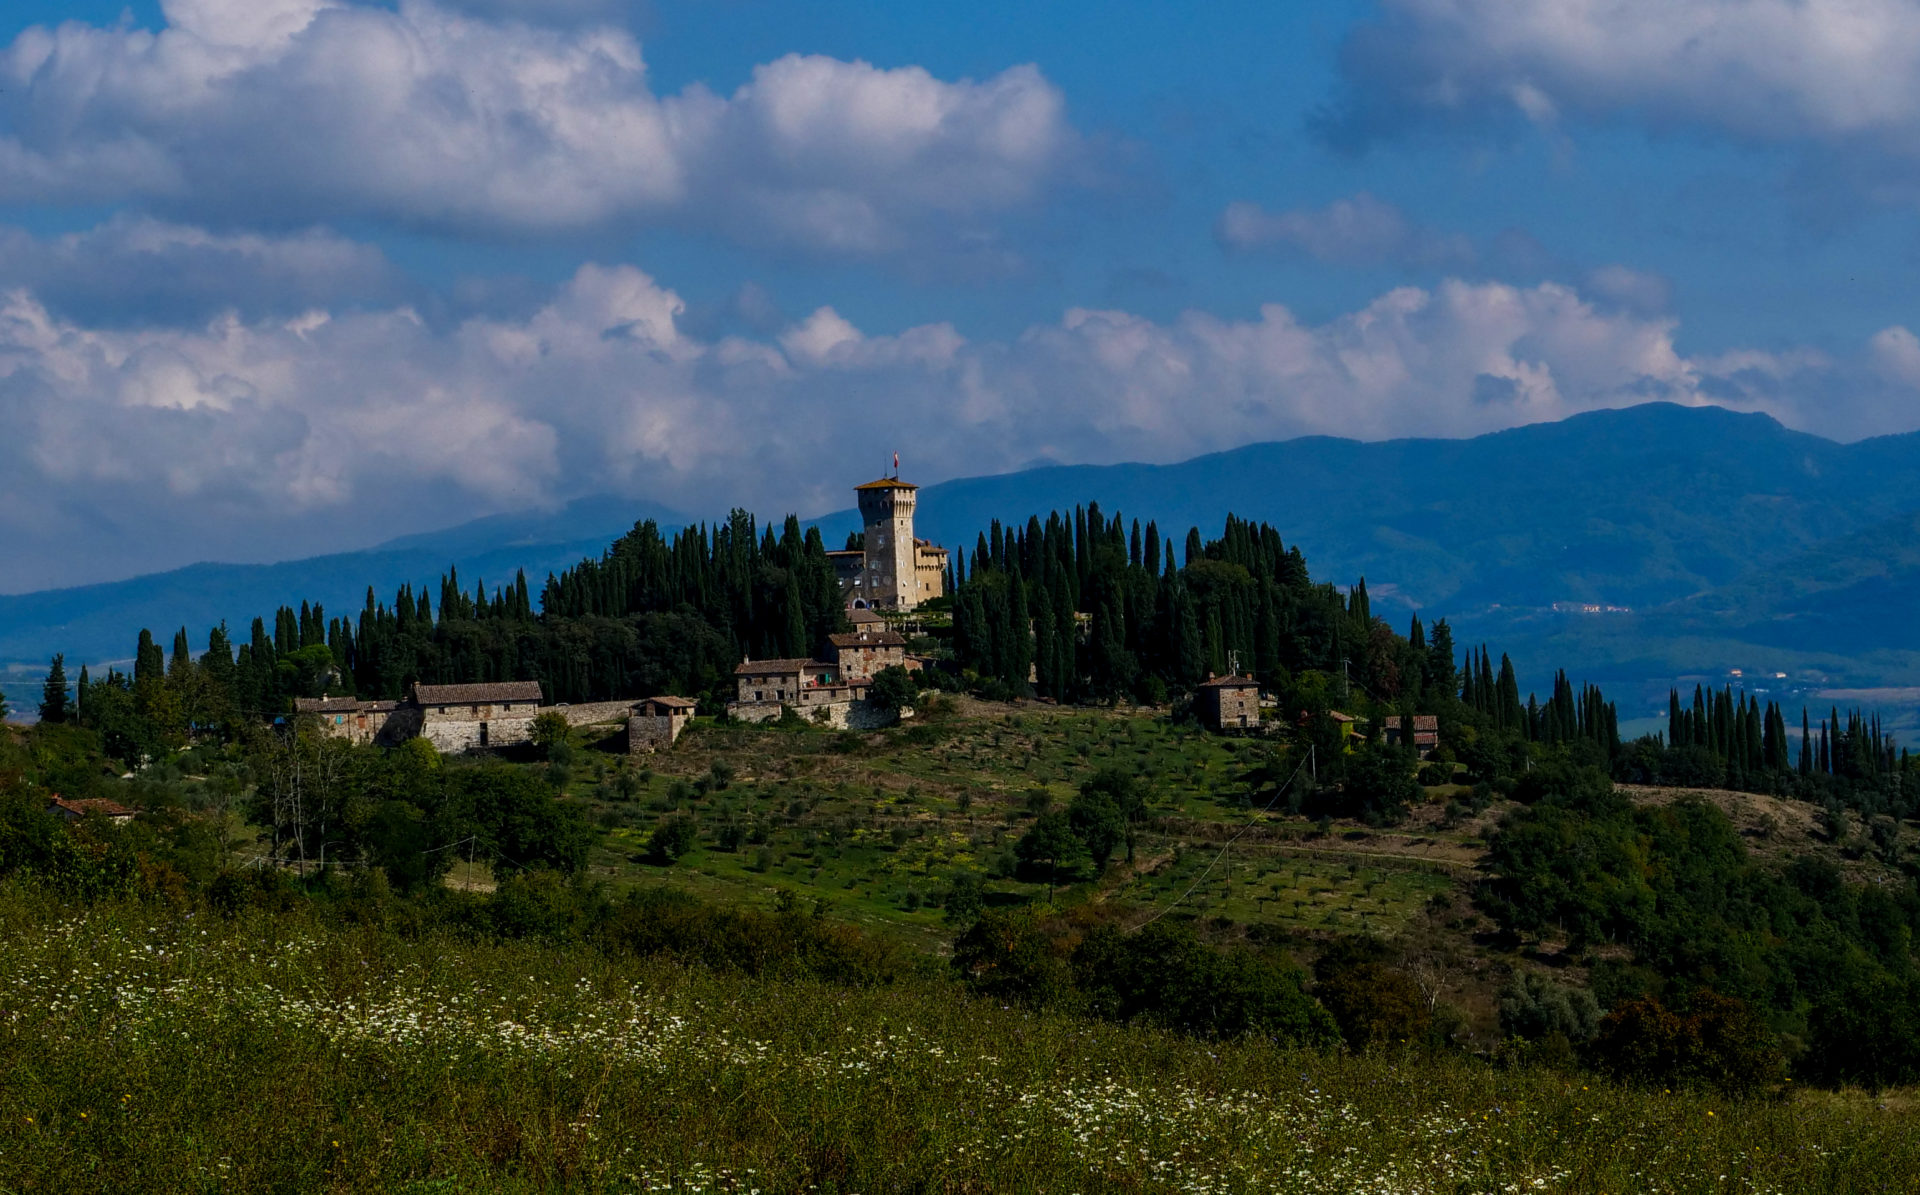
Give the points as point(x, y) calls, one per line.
point(1361, 230)
point(135, 269)
point(336, 427)
point(1896, 352)
point(1835, 73)
point(299, 111)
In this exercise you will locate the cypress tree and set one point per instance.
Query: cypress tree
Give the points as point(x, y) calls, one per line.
point(53, 695)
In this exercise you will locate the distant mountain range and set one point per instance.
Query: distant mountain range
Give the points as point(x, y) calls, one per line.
point(1718, 540)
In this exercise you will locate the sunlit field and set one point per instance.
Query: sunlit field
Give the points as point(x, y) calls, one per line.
point(144, 1051)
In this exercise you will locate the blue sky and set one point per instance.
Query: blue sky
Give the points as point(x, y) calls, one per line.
point(285, 276)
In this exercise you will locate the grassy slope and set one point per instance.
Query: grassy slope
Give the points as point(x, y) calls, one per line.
point(875, 826)
point(149, 1052)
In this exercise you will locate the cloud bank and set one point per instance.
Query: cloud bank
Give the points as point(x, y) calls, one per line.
point(290, 112)
point(336, 427)
point(1832, 76)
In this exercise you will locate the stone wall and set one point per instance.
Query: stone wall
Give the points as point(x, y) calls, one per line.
point(451, 736)
point(754, 711)
point(599, 711)
point(646, 733)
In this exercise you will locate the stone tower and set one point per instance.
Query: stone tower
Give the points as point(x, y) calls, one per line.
point(889, 578)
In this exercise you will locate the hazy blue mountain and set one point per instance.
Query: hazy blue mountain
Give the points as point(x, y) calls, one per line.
point(1635, 507)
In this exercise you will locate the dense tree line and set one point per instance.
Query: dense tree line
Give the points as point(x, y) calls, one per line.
point(1829, 964)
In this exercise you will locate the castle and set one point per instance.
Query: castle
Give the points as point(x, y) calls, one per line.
point(891, 570)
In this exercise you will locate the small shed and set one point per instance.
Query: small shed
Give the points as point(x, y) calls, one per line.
point(657, 722)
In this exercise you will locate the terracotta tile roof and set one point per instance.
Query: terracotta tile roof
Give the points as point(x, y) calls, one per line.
point(678, 703)
point(773, 667)
point(1232, 682)
point(868, 639)
point(888, 483)
point(487, 694)
point(839, 552)
point(81, 808)
point(341, 705)
point(864, 617)
point(1421, 722)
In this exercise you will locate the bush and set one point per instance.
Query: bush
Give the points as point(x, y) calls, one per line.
point(1165, 975)
point(1435, 774)
point(893, 690)
point(1372, 1003)
point(1533, 1007)
point(1718, 1042)
point(672, 839)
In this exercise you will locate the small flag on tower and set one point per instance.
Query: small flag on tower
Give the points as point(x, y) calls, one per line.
point(896, 464)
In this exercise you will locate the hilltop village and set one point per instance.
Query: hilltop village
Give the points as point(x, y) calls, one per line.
point(891, 574)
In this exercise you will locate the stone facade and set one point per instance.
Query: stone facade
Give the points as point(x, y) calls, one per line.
point(812, 689)
point(365, 723)
point(456, 718)
point(781, 680)
point(1228, 703)
point(892, 570)
point(860, 655)
point(657, 722)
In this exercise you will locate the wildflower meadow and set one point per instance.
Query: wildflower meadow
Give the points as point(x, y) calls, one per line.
point(281, 1051)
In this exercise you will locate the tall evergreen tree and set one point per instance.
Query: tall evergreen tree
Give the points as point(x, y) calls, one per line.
point(54, 702)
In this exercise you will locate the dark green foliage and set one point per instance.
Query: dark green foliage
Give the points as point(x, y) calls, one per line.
point(54, 697)
point(893, 690)
point(1372, 1003)
point(789, 944)
point(1096, 820)
point(1533, 1008)
point(1166, 976)
point(672, 839)
point(1052, 853)
point(1380, 786)
point(1717, 1042)
point(1008, 955)
point(1827, 960)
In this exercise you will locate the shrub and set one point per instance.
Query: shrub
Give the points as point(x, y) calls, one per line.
point(1718, 1042)
point(1532, 1007)
point(672, 839)
point(1165, 975)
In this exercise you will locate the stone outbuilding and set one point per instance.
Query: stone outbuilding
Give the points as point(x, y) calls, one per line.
point(458, 718)
point(361, 722)
point(1228, 703)
point(860, 655)
point(657, 722)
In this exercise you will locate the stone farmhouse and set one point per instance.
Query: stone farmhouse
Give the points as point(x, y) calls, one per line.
point(382, 723)
point(892, 570)
point(457, 718)
point(1228, 703)
point(765, 689)
point(860, 655)
point(1426, 732)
